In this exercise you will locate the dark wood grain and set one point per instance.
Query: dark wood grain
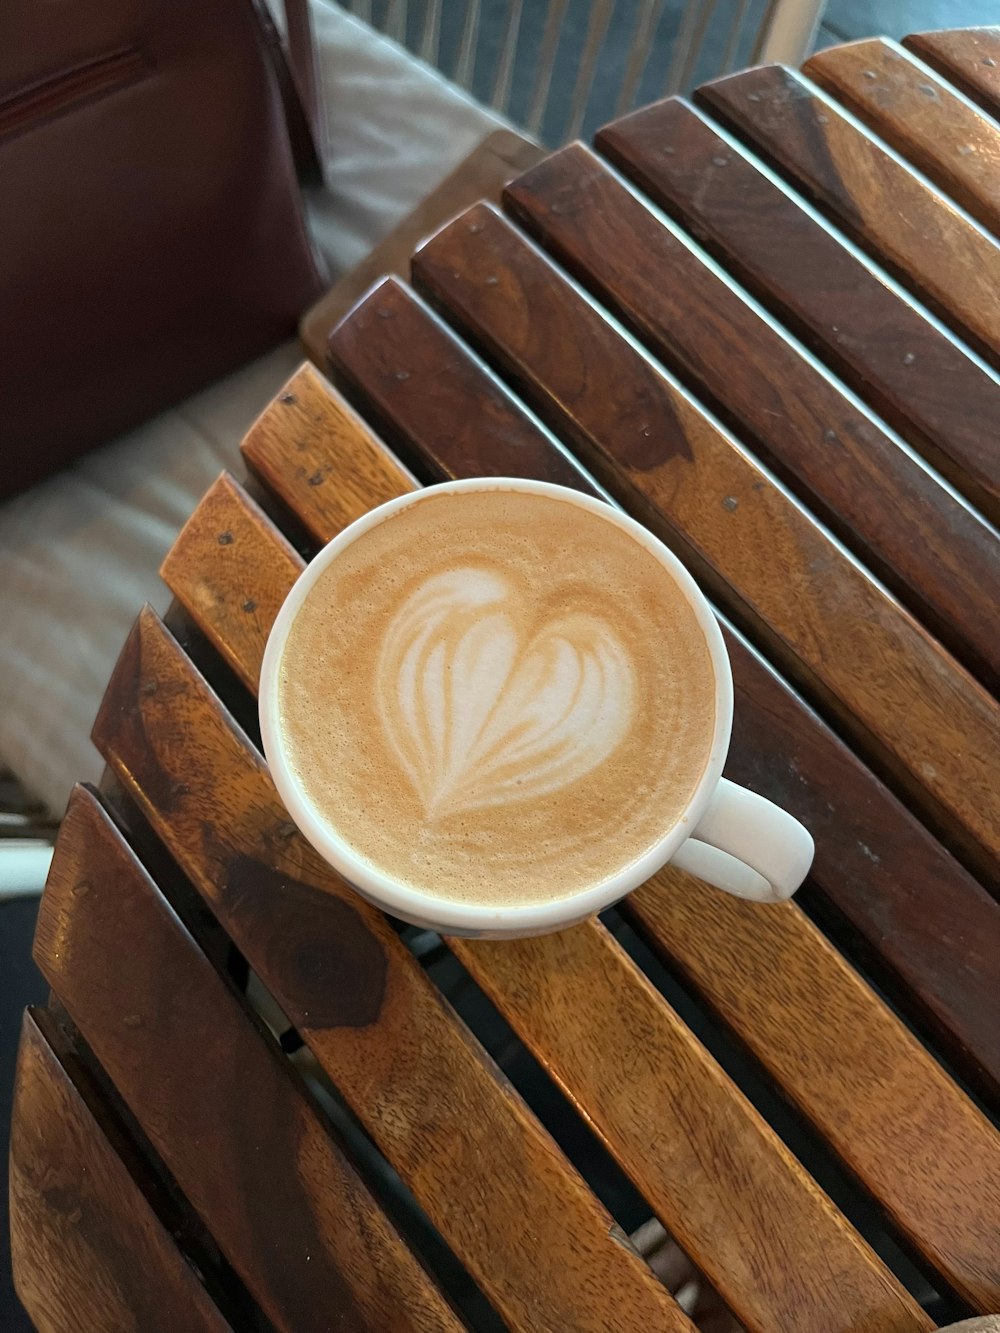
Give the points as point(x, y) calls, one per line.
point(932, 248)
point(922, 382)
point(236, 1131)
point(968, 57)
point(876, 864)
point(382, 356)
point(919, 115)
point(823, 619)
point(88, 1251)
point(590, 1044)
point(429, 1097)
point(935, 553)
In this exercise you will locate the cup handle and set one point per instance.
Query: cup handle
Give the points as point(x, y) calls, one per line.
point(746, 845)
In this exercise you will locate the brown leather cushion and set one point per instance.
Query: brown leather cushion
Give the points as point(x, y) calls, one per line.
point(151, 233)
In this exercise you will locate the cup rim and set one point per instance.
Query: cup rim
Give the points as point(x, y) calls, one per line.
point(444, 914)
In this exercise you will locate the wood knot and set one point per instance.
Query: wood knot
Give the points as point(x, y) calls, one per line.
point(325, 946)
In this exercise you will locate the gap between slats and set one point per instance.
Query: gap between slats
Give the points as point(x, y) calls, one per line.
point(388, 367)
point(897, 772)
point(256, 862)
point(556, 1113)
point(562, 1120)
point(585, 1150)
point(150, 1176)
point(885, 110)
point(915, 435)
point(195, 914)
point(212, 516)
point(925, 283)
point(538, 209)
point(510, 431)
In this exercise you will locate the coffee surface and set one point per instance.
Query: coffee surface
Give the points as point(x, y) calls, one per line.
point(497, 697)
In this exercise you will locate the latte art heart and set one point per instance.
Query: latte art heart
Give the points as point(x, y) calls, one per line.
point(480, 712)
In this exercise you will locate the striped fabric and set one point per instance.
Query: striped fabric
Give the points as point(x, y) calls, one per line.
point(557, 69)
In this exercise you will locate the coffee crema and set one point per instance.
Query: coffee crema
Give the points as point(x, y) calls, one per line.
point(497, 697)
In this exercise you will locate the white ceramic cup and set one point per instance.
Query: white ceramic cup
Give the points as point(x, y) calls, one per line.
point(727, 836)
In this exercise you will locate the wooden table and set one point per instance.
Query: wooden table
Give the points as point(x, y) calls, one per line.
point(249, 1105)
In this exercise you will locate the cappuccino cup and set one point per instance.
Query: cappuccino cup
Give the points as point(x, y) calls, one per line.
point(496, 706)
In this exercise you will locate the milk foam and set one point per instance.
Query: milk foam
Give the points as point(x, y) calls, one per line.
point(497, 697)
point(479, 711)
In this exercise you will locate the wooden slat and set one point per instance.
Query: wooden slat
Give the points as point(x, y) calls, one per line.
point(915, 907)
point(919, 115)
point(371, 351)
point(230, 523)
point(856, 1106)
point(889, 685)
point(916, 233)
point(728, 1191)
point(762, 1192)
point(968, 57)
point(874, 862)
point(306, 413)
point(934, 552)
point(88, 1252)
point(480, 175)
point(896, 1118)
point(910, 371)
point(436, 1106)
point(287, 1209)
